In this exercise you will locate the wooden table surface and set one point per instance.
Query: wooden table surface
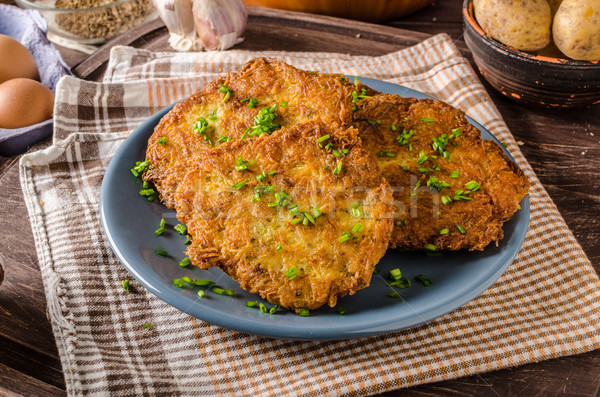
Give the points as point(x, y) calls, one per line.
point(563, 148)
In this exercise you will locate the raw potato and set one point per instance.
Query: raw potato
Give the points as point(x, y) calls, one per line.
point(576, 29)
point(524, 25)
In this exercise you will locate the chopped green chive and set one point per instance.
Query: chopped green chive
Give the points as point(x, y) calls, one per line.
point(422, 158)
point(461, 229)
point(262, 307)
point(316, 212)
point(201, 293)
point(200, 126)
point(357, 228)
point(357, 97)
point(309, 217)
point(445, 231)
point(283, 104)
point(273, 309)
point(455, 132)
point(239, 185)
point(179, 283)
point(402, 283)
point(386, 153)
point(263, 122)
point(340, 310)
point(394, 294)
point(139, 167)
point(188, 280)
point(251, 304)
point(430, 247)
point(161, 228)
point(224, 139)
point(395, 274)
point(424, 280)
point(291, 273)
point(278, 248)
point(338, 167)
point(125, 284)
point(345, 237)
point(251, 102)
point(219, 291)
point(147, 325)
point(241, 164)
point(181, 229)
point(423, 170)
point(393, 127)
point(162, 252)
point(323, 138)
point(404, 137)
point(225, 90)
point(185, 262)
point(427, 120)
point(438, 185)
point(162, 140)
point(204, 283)
point(304, 312)
point(454, 174)
point(472, 185)
point(295, 221)
point(440, 144)
point(446, 200)
point(146, 192)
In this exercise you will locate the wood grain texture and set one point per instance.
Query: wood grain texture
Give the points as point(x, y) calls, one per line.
point(563, 147)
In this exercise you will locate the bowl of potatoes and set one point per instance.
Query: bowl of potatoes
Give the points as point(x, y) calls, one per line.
point(542, 52)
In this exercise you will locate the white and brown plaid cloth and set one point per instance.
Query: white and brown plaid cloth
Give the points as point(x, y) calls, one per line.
point(546, 305)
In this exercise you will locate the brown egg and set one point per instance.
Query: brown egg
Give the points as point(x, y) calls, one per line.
point(24, 102)
point(16, 61)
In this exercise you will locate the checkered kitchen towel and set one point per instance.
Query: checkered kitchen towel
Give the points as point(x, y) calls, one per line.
point(546, 305)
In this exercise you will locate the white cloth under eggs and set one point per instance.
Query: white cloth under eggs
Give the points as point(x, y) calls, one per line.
point(30, 28)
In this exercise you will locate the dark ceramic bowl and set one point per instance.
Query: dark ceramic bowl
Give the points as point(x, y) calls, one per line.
point(529, 78)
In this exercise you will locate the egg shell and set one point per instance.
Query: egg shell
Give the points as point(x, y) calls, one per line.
point(24, 102)
point(16, 61)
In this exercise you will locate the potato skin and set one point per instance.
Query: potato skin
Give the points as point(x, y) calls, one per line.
point(524, 25)
point(576, 29)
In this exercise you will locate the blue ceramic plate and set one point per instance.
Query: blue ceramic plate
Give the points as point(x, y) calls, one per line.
point(457, 277)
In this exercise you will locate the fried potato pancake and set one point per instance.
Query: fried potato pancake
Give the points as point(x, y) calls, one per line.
point(286, 217)
point(263, 96)
point(452, 189)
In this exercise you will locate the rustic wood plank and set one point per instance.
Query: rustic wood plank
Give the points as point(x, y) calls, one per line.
point(14, 383)
point(32, 363)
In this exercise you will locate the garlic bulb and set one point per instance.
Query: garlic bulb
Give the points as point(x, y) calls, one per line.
point(203, 24)
point(178, 18)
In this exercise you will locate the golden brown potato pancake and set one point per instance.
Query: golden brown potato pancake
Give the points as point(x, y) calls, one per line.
point(263, 96)
point(300, 217)
point(452, 189)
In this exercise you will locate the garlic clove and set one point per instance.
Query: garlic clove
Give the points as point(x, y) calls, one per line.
point(178, 18)
point(219, 24)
